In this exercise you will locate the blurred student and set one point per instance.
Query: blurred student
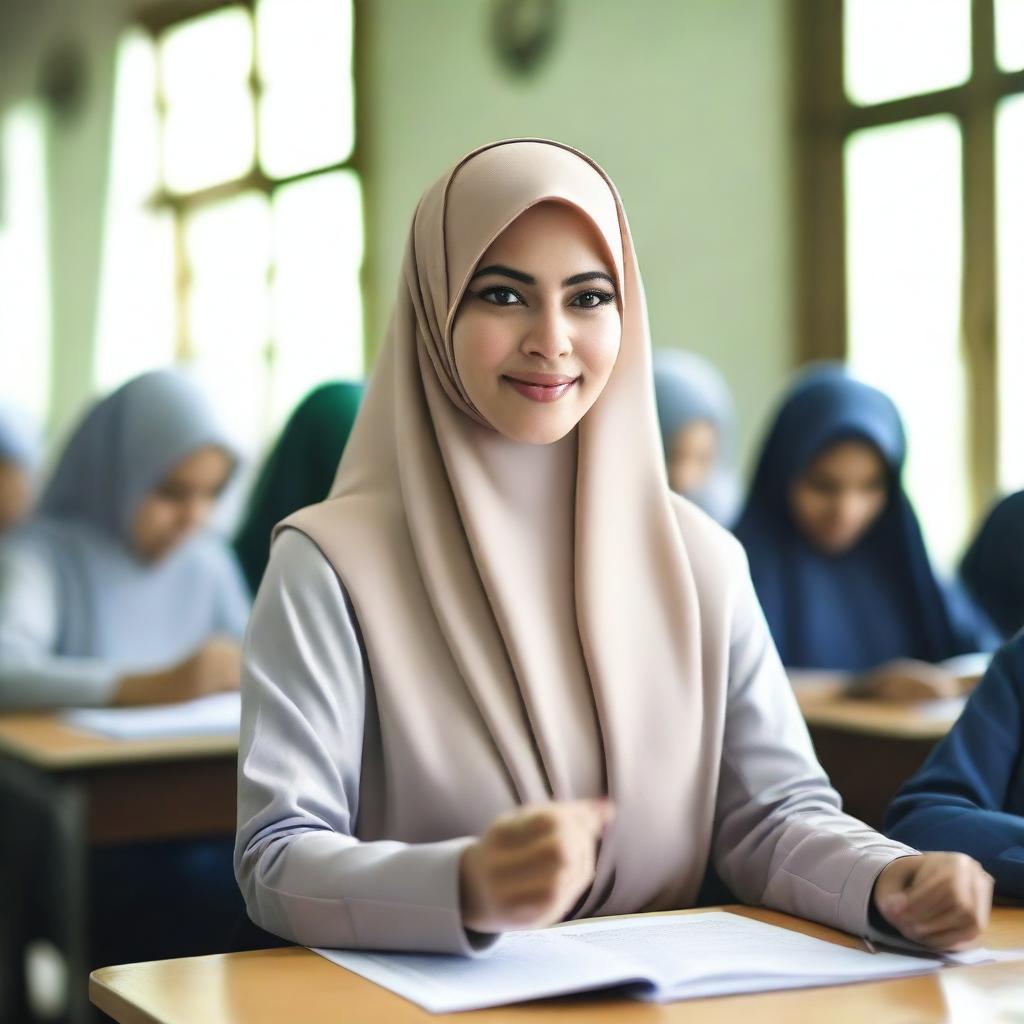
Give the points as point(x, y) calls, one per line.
point(969, 795)
point(836, 552)
point(503, 675)
point(993, 568)
point(299, 470)
point(19, 459)
point(113, 593)
point(698, 423)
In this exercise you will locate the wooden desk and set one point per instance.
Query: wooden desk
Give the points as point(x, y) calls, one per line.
point(869, 748)
point(275, 985)
point(68, 790)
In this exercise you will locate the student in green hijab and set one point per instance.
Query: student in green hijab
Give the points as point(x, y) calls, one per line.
point(299, 470)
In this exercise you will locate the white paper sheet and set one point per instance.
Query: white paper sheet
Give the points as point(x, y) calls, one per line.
point(215, 715)
point(946, 710)
point(662, 959)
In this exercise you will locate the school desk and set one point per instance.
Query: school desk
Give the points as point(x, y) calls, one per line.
point(869, 748)
point(68, 791)
point(292, 984)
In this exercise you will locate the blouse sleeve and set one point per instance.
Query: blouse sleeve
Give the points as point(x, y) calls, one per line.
point(303, 873)
point(958, 800)
point(32, 675)
point(781, 839)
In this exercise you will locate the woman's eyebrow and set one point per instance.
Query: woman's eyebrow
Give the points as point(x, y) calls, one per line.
point(588, 275)
point(497, 268)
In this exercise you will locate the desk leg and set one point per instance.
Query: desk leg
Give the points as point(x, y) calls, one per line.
point(71, 896)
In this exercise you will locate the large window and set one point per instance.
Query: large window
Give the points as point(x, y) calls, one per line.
point(911, 121)
point(25, 329)
point(234, 236)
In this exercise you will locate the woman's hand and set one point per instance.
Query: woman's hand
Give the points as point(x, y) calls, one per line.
point(906, 680)
point(530, 867)
point(216, 666)
point(940, 900)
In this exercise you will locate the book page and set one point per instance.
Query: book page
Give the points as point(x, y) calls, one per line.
point(679, 957)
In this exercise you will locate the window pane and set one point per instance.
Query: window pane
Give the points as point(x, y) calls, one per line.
point(904, 278)
point(1010, 209)
point(305, 65)
point(318, 322)
point(25, 329)
point(1010, 34)
point(228, 251)
point(896, 48)
point(136, 320)
point(208, 122)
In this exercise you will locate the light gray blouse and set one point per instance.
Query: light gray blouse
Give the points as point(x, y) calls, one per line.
point(780, 838)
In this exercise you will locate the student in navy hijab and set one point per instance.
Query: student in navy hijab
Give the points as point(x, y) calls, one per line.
point(835, 549)
point(993, 568)
point(113, 592)
point(19, 458)
point(969, 795)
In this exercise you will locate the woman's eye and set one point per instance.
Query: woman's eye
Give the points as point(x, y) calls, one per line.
point(592, 299)
point(498, 296)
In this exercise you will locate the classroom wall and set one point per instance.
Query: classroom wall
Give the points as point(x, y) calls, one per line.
point(685, 103)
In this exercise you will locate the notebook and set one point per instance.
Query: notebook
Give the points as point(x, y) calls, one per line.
point(656, 958)
point(215, 715)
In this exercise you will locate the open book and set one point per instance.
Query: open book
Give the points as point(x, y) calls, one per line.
point(658, 958)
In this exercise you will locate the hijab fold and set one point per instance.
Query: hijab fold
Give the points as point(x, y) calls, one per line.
point(993, 568)
point(529, 612)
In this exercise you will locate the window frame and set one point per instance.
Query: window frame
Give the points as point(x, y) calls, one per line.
point(155, 23)
point(824, 119)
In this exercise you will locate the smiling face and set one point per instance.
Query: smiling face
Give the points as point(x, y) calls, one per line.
point(840, 495)
point(181, 503)
point(538, 329)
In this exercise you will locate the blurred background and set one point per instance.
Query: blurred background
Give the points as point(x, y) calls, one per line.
point(228, 185)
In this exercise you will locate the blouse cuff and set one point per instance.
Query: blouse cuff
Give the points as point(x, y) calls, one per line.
point(855, 901)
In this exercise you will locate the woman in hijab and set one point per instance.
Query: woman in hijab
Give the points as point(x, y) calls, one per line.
point(697, 420)
point(503, 676)
point(19, 457)
point(299, 471)
point(993, 568)
point(835, 550)
point(113, 593)
point(969, 794)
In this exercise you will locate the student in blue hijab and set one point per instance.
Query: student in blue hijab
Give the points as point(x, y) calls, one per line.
point(113, 592)
point(969, 795)
point(836, 552)
point(19, 458)
point(993, 568)
point(698, 424)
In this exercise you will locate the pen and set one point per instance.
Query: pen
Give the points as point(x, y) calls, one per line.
point(868, 944)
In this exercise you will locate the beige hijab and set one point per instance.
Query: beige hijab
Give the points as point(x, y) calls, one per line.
point(530, 613)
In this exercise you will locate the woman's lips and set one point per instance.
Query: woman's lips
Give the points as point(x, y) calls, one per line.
point(542, 387)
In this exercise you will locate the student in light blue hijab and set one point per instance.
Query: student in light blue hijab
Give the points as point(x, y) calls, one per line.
point(836, 553)
point(698, 423)
point(993, 568)
point(19, 457)
point(113, 592)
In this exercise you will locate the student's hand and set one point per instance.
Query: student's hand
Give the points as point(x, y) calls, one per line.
point(906, 680)
point(216, 666)
point(531, 866)
point(940, 900)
